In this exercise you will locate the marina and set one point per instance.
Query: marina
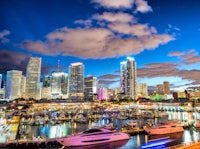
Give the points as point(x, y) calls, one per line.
point(41, 128)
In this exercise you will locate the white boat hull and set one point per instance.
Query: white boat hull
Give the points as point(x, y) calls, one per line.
point(93, 139)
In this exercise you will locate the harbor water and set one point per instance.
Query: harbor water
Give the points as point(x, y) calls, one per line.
point(137, 141)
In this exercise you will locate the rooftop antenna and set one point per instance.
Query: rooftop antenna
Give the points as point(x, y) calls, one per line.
point(58, 65)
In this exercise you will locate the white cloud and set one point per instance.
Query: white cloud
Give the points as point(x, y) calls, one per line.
point(115, 17)
point(135, 30)
point(94, 43)
point(115, 3)
point(142, 6)
point(119, 34)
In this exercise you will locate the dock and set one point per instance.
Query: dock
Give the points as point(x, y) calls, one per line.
point(133, 131)
point(37, 142)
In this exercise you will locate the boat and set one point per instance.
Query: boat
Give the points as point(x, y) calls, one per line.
point(167, 128)
point(92, 137)
point(132, 123)
point(121, 116)
point(147, 114)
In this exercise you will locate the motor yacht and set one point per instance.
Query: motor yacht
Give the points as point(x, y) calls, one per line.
point(164, 129)
point(92, 137)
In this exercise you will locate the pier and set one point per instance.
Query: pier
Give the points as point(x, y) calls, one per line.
point(39, 142)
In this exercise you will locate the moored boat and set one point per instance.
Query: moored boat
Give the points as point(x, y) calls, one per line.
point(164, 129)
point(92, 137)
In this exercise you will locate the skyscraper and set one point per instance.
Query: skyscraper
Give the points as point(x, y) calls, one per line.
point(76, 81)
point(23, 87)
point(166, 87)
point(159, 89)
point(142, 90)
point(33, 73)
point(90, 88)
point(59, 84)
point(13, 84)
point(47, 81)
point(128, 78)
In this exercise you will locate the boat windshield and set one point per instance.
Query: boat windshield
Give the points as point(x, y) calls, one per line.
point(92, 131)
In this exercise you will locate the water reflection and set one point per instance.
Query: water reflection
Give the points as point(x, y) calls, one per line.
point(112, 145)
point(189, 135)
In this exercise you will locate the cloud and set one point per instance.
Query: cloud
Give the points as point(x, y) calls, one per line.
point(142, 6)
point(173, 30)
point(176, 53)
point(116, 4)
point(86, 23)
point(191, 75)
point(119, 35)
point(96, 43)
point(153, 41)
point(115, 17)
point(108, 76)
point(168, 69)
point(189, 57)
point(3, 39)
point(11, 60)
point(157, 70)
point(38, 47)
point(135, 30)
point(171, 27)
point(107, 82)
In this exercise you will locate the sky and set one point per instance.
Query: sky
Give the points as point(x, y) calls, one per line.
point(163, 36)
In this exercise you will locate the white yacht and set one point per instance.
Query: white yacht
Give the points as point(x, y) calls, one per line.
point(92, 137)
point(164, 129)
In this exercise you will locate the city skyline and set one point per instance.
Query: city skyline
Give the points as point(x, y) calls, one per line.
point(162, 36)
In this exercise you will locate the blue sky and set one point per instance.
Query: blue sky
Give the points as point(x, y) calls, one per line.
point(162, 36)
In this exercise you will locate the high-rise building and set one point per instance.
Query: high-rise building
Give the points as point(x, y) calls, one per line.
point(159, 89)
point(128, 78)
point(166, 86)
point(13, 84)
point(23, 87)
point(47, 81)
point(76, 81)
point(142, 90)
point(59, 84)
point(0, 80)
point(90, 87)
point(33, 72)
point(46, 93)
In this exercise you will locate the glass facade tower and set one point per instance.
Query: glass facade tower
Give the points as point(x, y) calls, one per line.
point(76, 81)
point(33, 73)
point(13, 84)
point(128, 78)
